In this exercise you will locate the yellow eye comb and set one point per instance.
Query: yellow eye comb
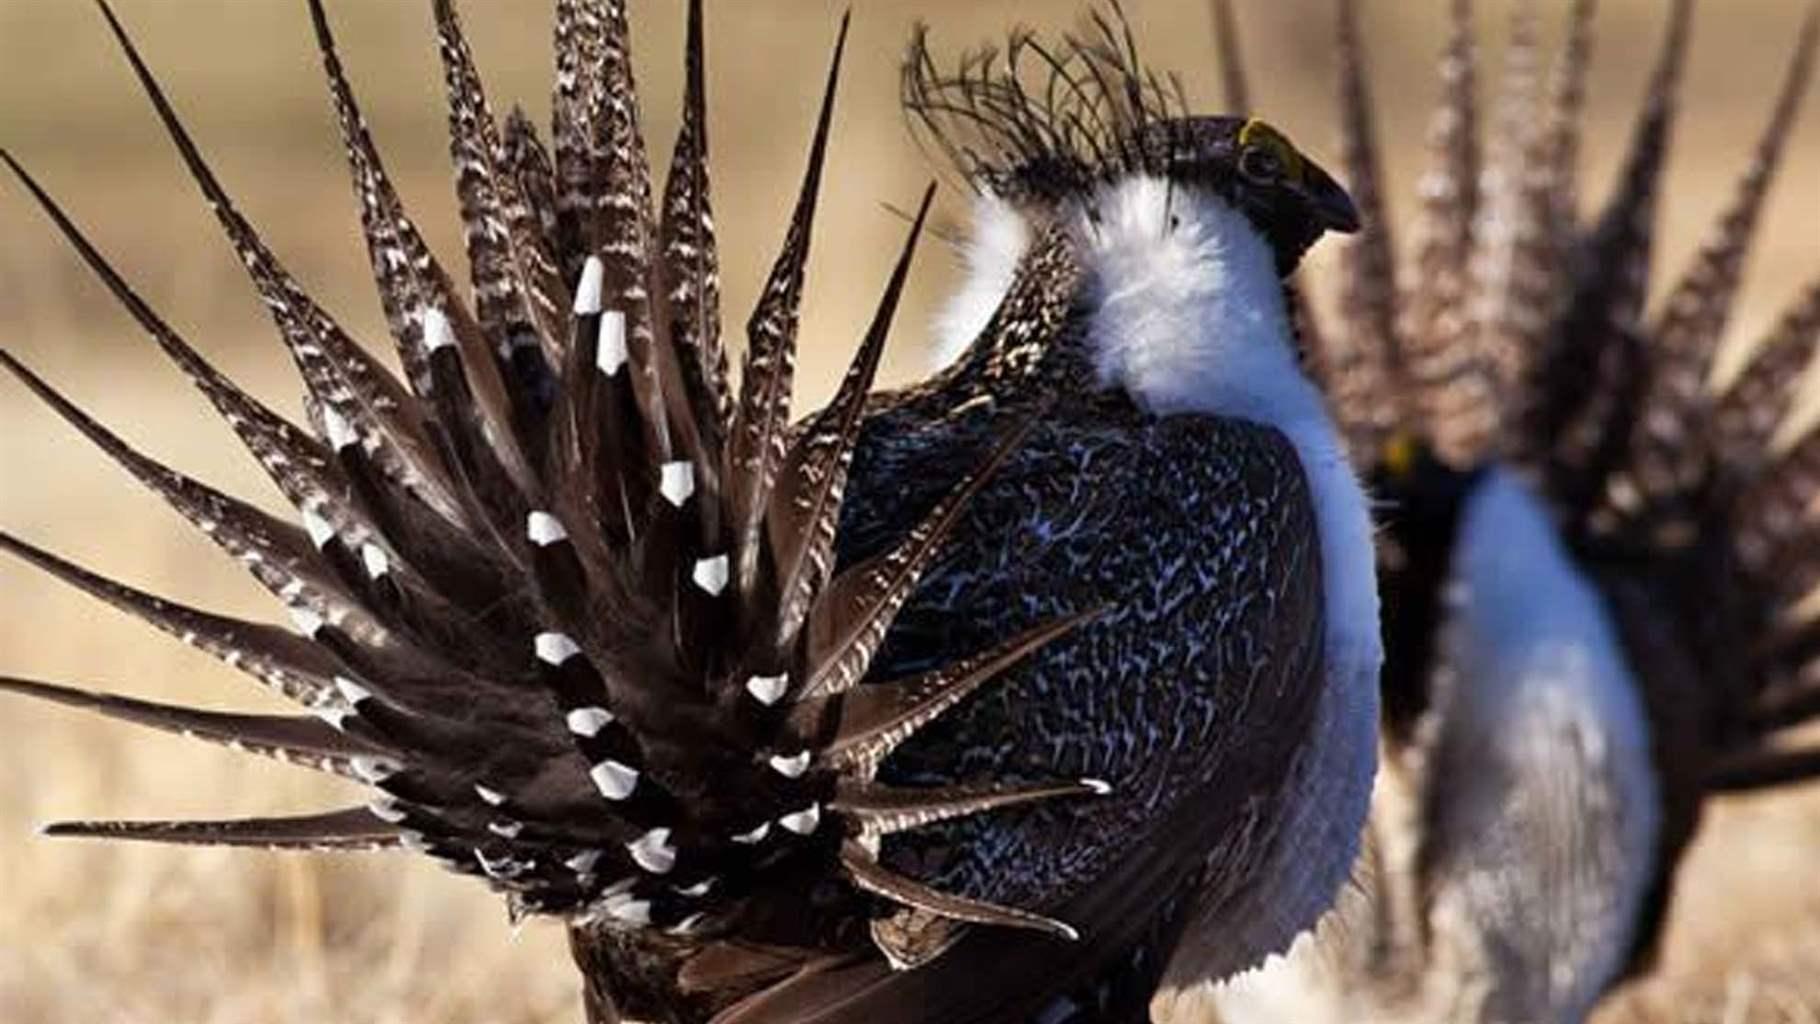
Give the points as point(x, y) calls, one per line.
point(1262, 135)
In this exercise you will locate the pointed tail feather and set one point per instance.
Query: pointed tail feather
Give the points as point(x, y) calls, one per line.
point(806, 507)
point(755, 449)
point(1456, 387)
point(519, 299)
point(339, 374)
point(296, 739)
point(1364, 363)
point(1764, 769)
point(1515, 273)
point(691, 254)
point(1546, 251)
point(280, 556)
point(1566, 422)
point(352, 828)
point(1747, 414)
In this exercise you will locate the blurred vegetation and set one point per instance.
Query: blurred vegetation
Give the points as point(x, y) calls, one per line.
point(106, 934)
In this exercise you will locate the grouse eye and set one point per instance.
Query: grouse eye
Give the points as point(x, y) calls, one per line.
point(1261, 165)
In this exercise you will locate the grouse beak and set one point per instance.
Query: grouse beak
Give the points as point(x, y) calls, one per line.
point(1332, 207)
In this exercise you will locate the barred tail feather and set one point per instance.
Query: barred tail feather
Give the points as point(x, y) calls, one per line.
point(690, 250)
point(1756, 403)
point(289, 664)
point(1504, 265)
point(354, 828)
point(1583, 396)
point(295, 739)
point(1667, 455)
point(1364, 358)
point(436, 335)
point(1456, 391)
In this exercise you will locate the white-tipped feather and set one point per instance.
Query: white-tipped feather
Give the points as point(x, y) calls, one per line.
point(804, 821)
point(614, 780)
point(791, 767)
point(373, 557)
point(584, 862)
point(335, 718)
point(698, 890)
point(374, 770)
point(387, 810)
point(340, 432)
point(437, 334)
point(588, 721)
point(629, 911)
point(307, 622)
point(767, 690)
point(351, 691)
point(555, 648)
point(676, 481)
point(587, 291)
point(653, 851)
point(544, 529)
point(711, 575)
point(318, 528)
point(610, 352)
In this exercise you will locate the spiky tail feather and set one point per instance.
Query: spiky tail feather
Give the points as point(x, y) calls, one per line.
point(565, 605)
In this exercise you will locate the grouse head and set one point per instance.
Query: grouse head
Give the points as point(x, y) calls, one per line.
point(1047, 127)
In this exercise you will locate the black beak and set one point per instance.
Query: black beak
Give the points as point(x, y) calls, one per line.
point(1332, 207)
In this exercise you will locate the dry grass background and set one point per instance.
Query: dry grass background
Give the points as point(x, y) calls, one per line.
point(99, 933)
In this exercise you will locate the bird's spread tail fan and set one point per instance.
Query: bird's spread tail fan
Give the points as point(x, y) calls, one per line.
point(565, 598)
point(1527, 340)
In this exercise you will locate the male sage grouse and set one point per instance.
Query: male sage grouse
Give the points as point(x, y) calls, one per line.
point(1011, 696)
point(1592, 562)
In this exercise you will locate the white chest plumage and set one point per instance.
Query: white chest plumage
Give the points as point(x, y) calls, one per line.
point(1539, 809)
point(1548, 852)
point(1189, 316)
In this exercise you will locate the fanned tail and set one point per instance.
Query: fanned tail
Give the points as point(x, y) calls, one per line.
point(563, 600)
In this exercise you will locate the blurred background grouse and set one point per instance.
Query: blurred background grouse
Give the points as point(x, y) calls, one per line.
point(1595, 547)
point(1011, 695)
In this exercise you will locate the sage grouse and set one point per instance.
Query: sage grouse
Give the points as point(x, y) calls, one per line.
point(1592, 563)
point(1012, 695)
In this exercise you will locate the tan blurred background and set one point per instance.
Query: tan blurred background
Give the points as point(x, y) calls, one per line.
point(99, 933)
